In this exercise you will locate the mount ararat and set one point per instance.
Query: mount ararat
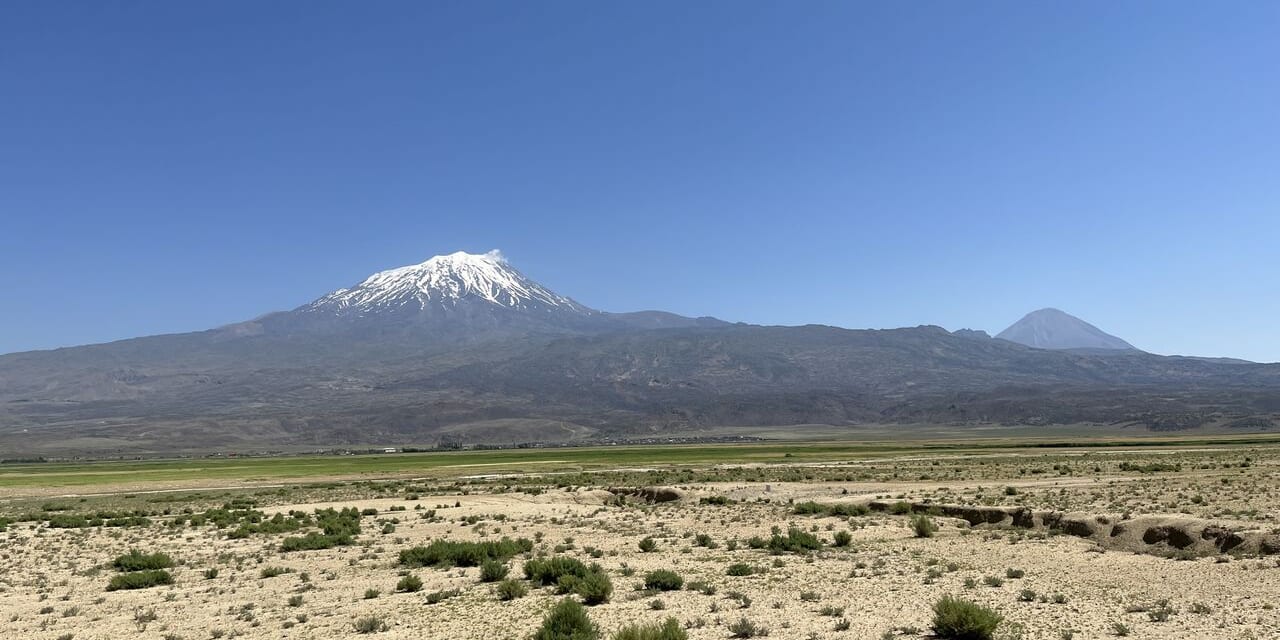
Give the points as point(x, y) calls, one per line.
point(464, 348)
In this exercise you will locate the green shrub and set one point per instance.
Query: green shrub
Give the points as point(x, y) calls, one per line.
point(595, 588)
point(668, 630)
point(371, 624)
point(313, 541)
point(842, 539)
point(647, 545)
point(493, 570)
point(409, 584)
point(140, 580)
point(548, 571)
point(436, 597)
point(740, 569)
point(339, 524)
point(795, 541)
point(137, 561)
point(446, 553)
point(663, 580)
point(68, 521)
point(956, 619)
point(510, 590)
point(745, 628)
point(271, 572)
point(567, 621)
point(923, 527)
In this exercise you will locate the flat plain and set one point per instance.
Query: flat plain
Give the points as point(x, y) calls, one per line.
point(1142, 538)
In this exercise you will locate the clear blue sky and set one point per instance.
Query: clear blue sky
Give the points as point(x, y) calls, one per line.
point(173, 166)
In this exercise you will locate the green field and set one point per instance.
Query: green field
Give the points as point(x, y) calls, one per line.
point(14, 477)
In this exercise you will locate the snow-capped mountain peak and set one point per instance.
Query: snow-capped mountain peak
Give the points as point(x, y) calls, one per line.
point(446, 281)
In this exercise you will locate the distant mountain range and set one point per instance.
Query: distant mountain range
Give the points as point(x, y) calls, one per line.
point(464, 348)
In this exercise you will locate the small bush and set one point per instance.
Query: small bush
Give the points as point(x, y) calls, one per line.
point(923, 527)
point(718, 501)
point(740, 569)
point(1014, 574)
point(595, 588)
point(137, 561)
point(956, 619)
point(567, 621)
point(663, 580)
point(409, 584)
point(549, 571)
point(510, 590)
point(371, 624)
point(436, 597)
point(704, 540)
point(314, 541)
point(745, 628)
point(140, 580)
point(446, 553)
point(842, 539)
point(493, 571)
point(667, 630)
point(795, 541)
point(648, 545)
point(271, 572)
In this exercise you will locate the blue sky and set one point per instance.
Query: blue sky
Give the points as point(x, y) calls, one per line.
point(171, 166)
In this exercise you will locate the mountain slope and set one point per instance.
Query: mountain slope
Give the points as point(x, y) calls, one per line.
point(464, 348)
point(1054, 329)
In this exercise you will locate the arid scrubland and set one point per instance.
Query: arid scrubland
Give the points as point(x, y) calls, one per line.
point(1089, 543)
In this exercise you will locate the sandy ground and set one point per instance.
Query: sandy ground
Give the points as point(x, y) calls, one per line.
point(52, 581)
